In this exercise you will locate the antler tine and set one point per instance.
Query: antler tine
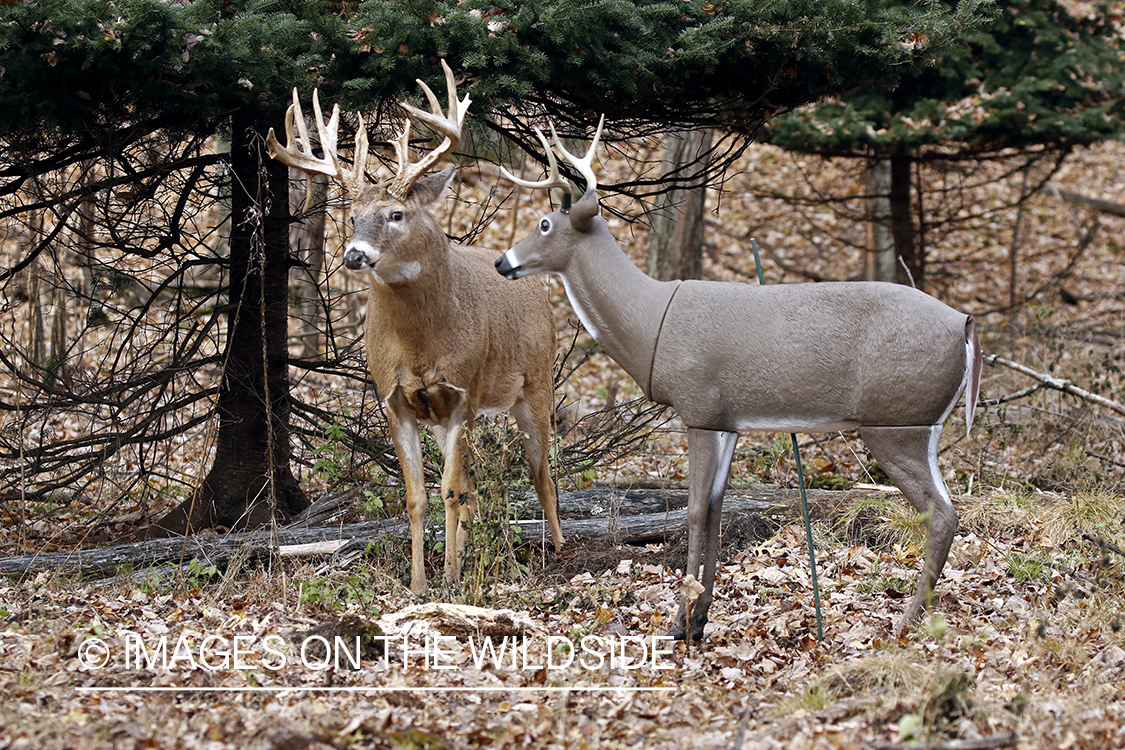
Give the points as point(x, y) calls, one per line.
point(353, 180)
point(298, 154)
point(327, 134)
point(553, 178)
point(448, 125)
point(585, 165)
point(402, 181)
point(293, 154)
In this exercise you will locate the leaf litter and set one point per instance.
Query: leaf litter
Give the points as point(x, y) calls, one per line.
point(1010, 648)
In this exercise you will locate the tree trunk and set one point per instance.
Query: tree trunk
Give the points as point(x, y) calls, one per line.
point(882, 259)
point(675, 245)
point(307, 238)
point(250, 481)
point(902, 221)
point(892, 252)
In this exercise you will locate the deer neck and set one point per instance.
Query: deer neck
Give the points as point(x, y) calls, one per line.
point(429, 299)
point(620, 306)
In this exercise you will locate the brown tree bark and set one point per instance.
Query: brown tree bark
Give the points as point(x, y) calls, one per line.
point(893, 250)
point(307, 238)
point(250, 481)
point(676, 238)
point(902, 221)
point(882, 257)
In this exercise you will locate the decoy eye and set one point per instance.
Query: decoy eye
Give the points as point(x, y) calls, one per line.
point(544, 225)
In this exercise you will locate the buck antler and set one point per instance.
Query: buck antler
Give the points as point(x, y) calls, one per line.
point(584, 165)
point(299, 154)
point(329, 164)
point(449, 126)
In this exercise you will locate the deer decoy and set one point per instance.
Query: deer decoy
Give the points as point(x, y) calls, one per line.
point(728, 357)
point(446, 338)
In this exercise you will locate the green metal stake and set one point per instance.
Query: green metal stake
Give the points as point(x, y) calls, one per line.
point(800, 486)
point(757, 261)
point(808, 536)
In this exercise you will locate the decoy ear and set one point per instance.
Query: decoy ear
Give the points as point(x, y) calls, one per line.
point(583, 212)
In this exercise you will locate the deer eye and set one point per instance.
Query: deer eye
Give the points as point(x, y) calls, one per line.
point(396, 216)
point(544, 225)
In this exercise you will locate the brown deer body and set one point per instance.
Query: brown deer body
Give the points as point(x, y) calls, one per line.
point(727, 357)
point(446, 338)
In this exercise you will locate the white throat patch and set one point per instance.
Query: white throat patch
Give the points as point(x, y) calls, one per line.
point(399, 273)
point(578, 309)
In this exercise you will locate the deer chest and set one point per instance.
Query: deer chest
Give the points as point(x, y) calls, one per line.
point(434, 403)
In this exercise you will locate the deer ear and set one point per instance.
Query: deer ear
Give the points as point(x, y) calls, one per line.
point(583, 212)
point(429, 189)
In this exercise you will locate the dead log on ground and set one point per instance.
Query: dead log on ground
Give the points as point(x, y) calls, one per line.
point(600, 514)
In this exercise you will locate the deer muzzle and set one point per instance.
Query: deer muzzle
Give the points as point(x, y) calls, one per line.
point(360, 256)
point(505, 267)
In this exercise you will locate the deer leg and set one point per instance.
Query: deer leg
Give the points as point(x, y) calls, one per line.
point(457, 492)
point(408, 448)
point(709, 456)
point(534, 420)
point(909, 456)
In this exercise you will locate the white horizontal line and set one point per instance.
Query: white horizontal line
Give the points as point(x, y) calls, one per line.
point(404, 689)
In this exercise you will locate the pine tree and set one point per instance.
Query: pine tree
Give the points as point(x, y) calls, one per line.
point(84, 81)
point(1035, 79)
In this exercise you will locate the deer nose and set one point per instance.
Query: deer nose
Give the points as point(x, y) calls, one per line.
point(505, 267)
point(357, 257)
point(353, 260)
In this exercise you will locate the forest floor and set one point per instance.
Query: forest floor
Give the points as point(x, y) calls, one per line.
point(1024, 648)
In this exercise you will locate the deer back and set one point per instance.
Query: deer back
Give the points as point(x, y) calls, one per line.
point(809, 357)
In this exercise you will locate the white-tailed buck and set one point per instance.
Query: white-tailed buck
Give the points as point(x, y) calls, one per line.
point(727, 357)
point(447, 339)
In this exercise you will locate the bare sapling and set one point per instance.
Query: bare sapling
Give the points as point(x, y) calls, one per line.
point(446, 338)
point(886, 359)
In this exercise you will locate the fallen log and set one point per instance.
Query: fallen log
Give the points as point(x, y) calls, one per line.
point(644, 517)
point(214, 549)
point(598, 514)
point(606, 502)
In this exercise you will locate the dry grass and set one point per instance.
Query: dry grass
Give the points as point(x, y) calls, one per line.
point(1095, 514)
point(885, 520)
point(1000, 512)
